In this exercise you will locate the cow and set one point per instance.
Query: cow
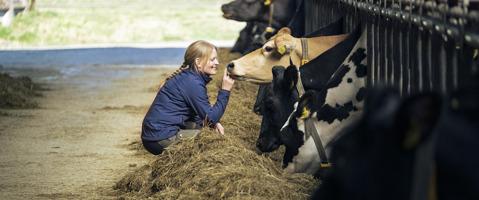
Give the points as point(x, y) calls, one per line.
point(256, 66)
point(250, 38)
point(256, 31)
point(332, 110)
point(259, 10)
point(276, 101)
point(420, 147)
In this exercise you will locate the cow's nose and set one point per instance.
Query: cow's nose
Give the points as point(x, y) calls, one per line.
point(258, 144)
point(231, 65)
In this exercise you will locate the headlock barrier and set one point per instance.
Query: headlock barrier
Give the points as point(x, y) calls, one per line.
point(414, 45)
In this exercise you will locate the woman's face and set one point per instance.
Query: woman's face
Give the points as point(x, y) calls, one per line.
point(210, 67)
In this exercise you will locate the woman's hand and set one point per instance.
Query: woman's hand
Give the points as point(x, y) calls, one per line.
point(219, 128)
point(228, 82)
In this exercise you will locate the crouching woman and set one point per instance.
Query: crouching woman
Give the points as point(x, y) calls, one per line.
point(181, 106)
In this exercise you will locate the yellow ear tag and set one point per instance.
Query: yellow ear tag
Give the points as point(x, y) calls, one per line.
point(326, 164)
point(476, 52)
point(282, 49)
point(305, 113)
point(269, 29)
point(304, 61)
point(267, 2)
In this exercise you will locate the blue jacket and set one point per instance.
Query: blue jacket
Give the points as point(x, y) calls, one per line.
point(182, 98)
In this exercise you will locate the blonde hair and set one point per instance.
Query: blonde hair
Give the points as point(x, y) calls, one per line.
point(198, 49)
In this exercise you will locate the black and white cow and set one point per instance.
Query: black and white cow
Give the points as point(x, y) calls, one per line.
point(276, 101)
point(423, 147)
point(259, 10)
point(333, 110)
point(256, 14)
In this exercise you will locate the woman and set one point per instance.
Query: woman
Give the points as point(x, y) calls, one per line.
point(181, 106)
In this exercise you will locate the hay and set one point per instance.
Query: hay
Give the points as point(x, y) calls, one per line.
point(17, 93)
point(214, 166)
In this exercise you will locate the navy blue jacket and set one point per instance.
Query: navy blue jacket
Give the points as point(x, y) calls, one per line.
point(182, 98)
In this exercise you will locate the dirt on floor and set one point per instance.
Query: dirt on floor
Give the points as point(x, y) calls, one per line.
point(72, 138)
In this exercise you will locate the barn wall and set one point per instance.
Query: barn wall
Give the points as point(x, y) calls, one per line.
point(413, 45)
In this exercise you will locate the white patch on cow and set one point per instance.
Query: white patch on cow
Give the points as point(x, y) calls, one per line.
point(308, 158)
point(290, 115)
point(346, 92)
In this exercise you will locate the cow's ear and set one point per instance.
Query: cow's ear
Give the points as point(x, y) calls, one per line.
point(284, 42)
point(306, 104)
point(416, 119)
point(284, 31)
point(268, 2)
point(291, 77)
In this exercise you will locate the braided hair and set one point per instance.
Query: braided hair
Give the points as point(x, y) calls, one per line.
point(199, 49)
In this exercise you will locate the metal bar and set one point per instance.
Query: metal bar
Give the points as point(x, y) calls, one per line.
point(435, 53)
point(377, 66)
point(425, 61)
point(390, 54)
point(443, 69)
point(414, 64)
point(382, 50)
point(396, 60)
point(370, 50)
point(405, 56)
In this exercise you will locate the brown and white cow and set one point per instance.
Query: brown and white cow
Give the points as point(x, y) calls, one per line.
point(256, 66)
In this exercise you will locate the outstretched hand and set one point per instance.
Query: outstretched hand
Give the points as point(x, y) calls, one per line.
point(228, 82)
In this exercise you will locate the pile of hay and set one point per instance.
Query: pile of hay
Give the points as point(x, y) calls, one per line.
point(17, 92)
point(214, 166)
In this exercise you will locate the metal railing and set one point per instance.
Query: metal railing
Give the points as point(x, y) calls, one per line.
point(413, 45)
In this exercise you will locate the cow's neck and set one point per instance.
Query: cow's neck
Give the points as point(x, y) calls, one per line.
point(317, 46)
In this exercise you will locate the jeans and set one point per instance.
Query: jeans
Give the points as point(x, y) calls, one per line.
point(157, 147)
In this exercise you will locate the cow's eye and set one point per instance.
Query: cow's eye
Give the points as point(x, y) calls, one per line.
point(269, 102)
point(268, 49)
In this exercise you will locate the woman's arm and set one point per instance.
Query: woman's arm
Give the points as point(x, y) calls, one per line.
point(197, 98)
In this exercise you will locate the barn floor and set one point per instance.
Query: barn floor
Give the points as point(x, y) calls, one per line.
point(76, 144)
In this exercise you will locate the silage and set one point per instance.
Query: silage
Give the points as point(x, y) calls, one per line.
point(18, 92)
point(214, 166)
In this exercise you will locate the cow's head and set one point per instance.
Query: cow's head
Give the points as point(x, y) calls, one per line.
point(276, 105)
point(259, 10)
point(245, 10)
point(256, 66)
point(293, 131)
